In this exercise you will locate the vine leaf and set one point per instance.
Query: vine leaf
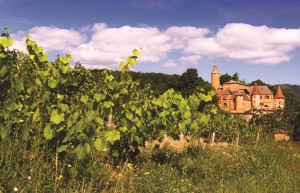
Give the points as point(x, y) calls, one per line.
point(48, 133)
point(65, 68)
point(56, 117)
point(6, 42)
point(43, 58)
point(66, 59)
point(62, 148)
point(112, 136)
point(82, 150)
point(3, 70)
point(52, 83)
point(84, 99)
point(100, 144)
point(90, 115)
point(135, 52)
point(36, 115)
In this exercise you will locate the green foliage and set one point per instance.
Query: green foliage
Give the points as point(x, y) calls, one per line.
point(6, 42)
point(189, 81)
point(225, 78)
point(292, 101)
point(235, 76)
point(279, 121)
point(259, 83)
point(294, 88)
point(228, 128)
point(186, 84)
point(296, 131)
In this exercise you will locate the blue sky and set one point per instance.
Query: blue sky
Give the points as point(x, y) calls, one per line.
point(257, 39)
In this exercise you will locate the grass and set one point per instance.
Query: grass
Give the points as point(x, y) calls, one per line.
point(269, 167)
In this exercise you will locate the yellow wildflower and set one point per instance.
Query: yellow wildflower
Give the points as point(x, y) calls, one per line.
point(129, 166)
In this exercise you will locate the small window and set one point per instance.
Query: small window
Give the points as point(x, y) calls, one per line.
point(266, 97)
point(225, 105)
point(260, 97)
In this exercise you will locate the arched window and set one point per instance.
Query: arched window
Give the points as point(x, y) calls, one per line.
point(225, 105)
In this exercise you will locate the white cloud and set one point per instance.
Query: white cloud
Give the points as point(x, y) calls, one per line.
point(170, 63)
point(253, 44)
point(204, 47)
point(107, 46)
point(191, 59)
point(98, 27)
point(182, 35)
point(51, 38)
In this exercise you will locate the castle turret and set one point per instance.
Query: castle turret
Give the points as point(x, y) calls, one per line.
point(239, 100)
point(215, 77)
point(255, 98)
point(279, 99)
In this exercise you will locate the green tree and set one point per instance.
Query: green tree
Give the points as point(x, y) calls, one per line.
point(225, 78)
point(259, 83)
point(189, 81)
point(235, 76)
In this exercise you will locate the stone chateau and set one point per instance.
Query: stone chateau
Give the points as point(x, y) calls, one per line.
point(237, 97)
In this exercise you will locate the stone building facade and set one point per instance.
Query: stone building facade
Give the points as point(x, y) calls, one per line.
point(237, 97)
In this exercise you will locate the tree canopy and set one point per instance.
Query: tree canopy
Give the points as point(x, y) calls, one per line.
point(225, 78)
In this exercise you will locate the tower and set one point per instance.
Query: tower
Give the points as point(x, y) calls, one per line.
point(279, 99)
point(215, 77)
point(255, 98)
point(239, 101)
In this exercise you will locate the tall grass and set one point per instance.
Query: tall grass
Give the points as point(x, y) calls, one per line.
point(268, 167)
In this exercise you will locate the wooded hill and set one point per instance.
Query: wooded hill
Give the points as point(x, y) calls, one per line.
point(294, 88)
point(189, 80)
point(186, 83)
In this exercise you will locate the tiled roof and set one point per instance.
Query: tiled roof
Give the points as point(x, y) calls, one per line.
point(227, 91)
point(246, 98)
point(232, 97)
point(262, 90)
point(255, 90)
point(234, 82)
point(240, 93)
point(215, 70)
point(279, 94)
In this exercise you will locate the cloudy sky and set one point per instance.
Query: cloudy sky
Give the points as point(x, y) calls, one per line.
point(257, 39)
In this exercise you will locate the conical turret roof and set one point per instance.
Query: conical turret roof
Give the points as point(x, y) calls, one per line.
point(255, 90)
point(215, 70)
point(279, 94)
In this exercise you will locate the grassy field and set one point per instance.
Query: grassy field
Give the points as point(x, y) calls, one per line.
point(269, 167)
